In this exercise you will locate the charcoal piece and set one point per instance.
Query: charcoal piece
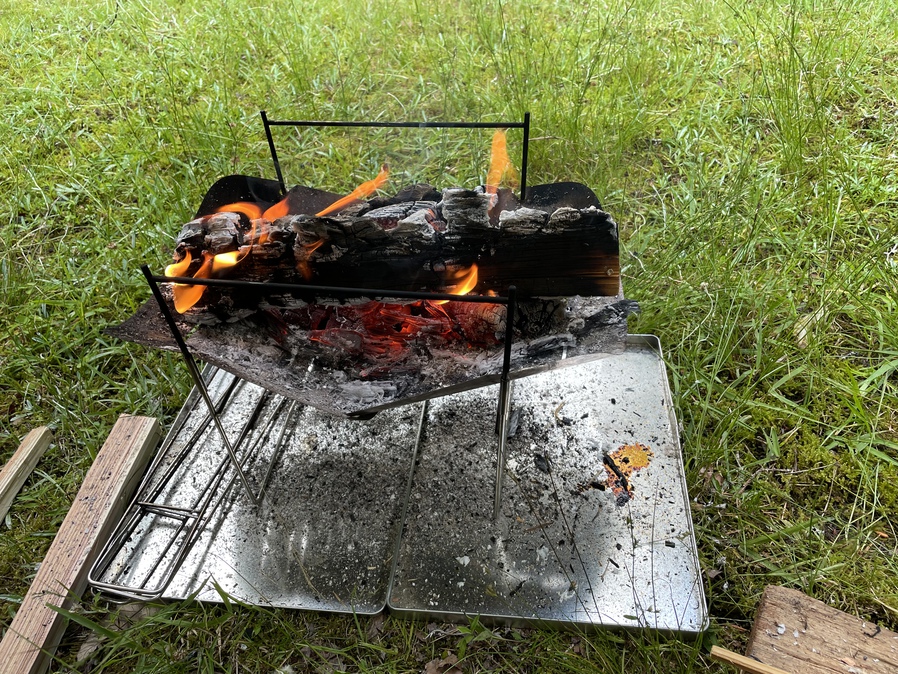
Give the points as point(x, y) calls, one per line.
point(222, 232)
point(465, 206)
point(418, 192)
point(479, 323)
point(523, 220)
point(615, 313)
point(390, 216)
point(191, 237)
point(425, 222)
point(550, 343)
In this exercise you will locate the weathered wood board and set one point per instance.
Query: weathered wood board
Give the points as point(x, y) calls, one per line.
point(801, 635)
point(19, 467)
point(36, 630)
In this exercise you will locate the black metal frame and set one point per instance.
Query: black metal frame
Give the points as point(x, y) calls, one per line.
point(525, 125)
point(309, 293)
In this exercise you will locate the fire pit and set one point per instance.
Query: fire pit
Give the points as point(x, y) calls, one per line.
point(284, 283)
point(338, 514)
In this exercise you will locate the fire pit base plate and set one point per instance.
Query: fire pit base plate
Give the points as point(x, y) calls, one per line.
point(571, 546)
point(568, 548)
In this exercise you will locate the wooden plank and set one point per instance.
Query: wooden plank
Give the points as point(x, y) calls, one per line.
point(19, 467)
point(745, 664)
point(805, 636)
point(36, 630)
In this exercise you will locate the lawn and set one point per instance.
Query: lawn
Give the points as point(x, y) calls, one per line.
point(747, 150)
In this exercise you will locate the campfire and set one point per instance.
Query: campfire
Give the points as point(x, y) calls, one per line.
point(423, 264)
point(356, 305)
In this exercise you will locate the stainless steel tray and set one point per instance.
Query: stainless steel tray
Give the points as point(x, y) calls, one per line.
point(397, 511)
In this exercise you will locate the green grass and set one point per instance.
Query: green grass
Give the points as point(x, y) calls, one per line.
point(748, 152)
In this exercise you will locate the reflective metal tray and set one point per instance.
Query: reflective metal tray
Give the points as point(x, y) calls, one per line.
point(396, 511)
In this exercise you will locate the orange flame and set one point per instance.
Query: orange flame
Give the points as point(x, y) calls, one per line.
point(465, 285)
point(179, 268)
point(250, 210)
point(500, 164)
point(302, 266)
point(264, 231)
point(187, 295)
point(279, 210)
point(254, 211)
point(224, 261)
point(366, 188)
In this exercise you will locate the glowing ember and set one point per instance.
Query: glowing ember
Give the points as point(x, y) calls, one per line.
point(365, 189)
point(500, 165)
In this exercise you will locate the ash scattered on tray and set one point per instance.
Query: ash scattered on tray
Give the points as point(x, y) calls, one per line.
point(330, 517)
point(560, 526)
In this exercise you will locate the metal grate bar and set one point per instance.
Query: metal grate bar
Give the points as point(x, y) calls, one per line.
point(525, 125)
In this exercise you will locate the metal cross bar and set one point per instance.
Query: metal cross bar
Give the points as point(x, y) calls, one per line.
point(525, 125)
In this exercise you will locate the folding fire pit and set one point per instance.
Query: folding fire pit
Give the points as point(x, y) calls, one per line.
point(338, 452)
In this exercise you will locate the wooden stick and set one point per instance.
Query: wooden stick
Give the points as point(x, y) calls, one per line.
point(19, 467)
point(36, 630)
point(746, 664)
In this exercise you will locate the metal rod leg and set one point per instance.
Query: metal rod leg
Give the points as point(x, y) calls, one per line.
point(502, 457)
point(504, 399)
point(198, 381)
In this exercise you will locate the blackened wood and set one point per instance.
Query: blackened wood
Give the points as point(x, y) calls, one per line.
point(420, 246)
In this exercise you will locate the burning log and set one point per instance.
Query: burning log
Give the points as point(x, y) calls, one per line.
point(410, 245)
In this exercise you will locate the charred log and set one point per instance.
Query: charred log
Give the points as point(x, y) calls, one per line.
point(419, 245)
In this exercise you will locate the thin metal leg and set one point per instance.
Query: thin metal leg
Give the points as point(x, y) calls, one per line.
point(274, 152)
point(199, 383)
point(410, 480)
point(524, 151)
point(504, 399)
point(502, 456)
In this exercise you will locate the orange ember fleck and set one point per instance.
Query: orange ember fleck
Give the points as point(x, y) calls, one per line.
point(365, 189)
point(627, 460)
